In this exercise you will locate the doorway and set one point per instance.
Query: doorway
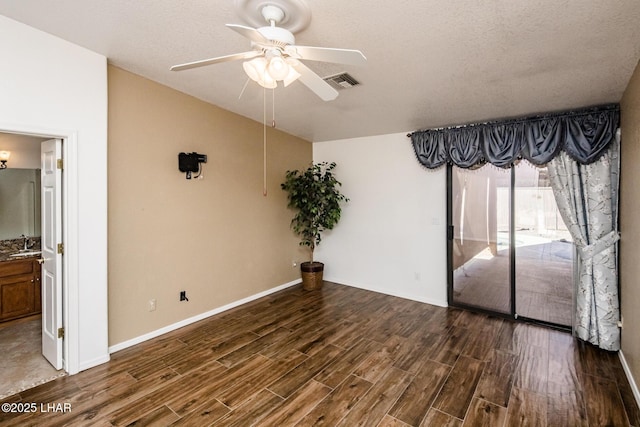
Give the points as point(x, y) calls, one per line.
point(21, 332)
point(509, 250)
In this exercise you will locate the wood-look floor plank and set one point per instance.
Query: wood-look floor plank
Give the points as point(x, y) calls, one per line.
point(602, 400)
point(566, 408)
point(497, 379)
point(450, 345)
point(203, 415)
point(345, 364)
point(252, 411)
point(94, 405)
point(184, 401)
point(337, 404)
point(302, 373)
point(526, 409)
point(206, 352)
point(514, 335)
point(596, 361)
point(381, 328)
point(143, 403)
point(565, 367)
point(458, 389)
point(532, 370)
point(160, 417)
point(415, 401)
point(253, 347)
point(260, 378)
point(297, 405)
point(440, 419)
point(374, 366)
point(311, 343)
point(60, 389)
point(416, 352)
point(389, 421)
point(485, 414)
point(152, 349)
point(300, 337)
point(628, 398)
point(377, 401)
point(348, 335)
point(482, 340)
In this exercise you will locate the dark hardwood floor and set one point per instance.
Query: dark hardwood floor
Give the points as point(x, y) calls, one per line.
point(344, 356)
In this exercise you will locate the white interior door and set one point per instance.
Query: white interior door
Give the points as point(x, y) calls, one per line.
point(51, 175)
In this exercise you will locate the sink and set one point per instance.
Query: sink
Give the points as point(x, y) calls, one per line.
point(27, 253)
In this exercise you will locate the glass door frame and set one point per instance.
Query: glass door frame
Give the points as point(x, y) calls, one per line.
point(512, 257)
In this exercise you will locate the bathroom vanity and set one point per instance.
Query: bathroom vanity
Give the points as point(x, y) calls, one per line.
point(19, 288)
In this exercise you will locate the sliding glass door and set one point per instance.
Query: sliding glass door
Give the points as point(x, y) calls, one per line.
point(509, 251)
point(480, 244)
point(543, 250)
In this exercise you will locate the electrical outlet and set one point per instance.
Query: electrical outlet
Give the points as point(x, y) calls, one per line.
point(183, 296)
point(152, 304)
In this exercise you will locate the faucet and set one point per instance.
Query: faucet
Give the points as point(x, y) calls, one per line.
point(26, 242)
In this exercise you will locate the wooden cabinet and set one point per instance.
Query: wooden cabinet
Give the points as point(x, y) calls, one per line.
point(19, 288)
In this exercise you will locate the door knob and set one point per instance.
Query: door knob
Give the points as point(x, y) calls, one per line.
point(40, 260)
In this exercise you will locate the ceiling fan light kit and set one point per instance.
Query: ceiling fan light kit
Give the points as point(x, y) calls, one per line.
point(275, 56)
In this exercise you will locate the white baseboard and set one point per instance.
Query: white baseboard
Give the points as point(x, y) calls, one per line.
point(121, 346)
point(632, 381)
point(387, 292)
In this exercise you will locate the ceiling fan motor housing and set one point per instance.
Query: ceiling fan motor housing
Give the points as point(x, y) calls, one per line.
point(278, 34)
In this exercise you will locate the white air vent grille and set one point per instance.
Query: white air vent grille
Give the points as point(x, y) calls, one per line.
point(342, 81)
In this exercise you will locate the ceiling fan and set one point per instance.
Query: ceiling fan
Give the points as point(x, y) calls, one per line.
point(275, 56)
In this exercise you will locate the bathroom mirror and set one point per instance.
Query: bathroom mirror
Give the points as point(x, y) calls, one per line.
point(19, 203)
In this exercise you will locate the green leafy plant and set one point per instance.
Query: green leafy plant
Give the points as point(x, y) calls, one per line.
point(314, 194)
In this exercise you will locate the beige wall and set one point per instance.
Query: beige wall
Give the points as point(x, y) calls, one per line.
point(630, 223)
point(218, 238)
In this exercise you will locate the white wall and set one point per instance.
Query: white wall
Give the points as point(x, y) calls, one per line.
point(392, 235)
point(51, 87)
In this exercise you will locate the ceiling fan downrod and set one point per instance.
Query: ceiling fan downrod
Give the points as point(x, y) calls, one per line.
point(272, 14)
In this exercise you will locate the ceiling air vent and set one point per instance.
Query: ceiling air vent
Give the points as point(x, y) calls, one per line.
point(341, 81)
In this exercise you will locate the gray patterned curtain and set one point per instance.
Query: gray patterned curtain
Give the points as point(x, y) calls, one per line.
point(587, 197)
point(581, 152)
point(584, 135)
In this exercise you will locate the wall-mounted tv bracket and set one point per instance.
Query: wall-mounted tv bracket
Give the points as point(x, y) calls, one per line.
point(190, 162)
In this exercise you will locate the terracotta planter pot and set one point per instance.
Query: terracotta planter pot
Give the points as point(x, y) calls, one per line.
point(312, 275)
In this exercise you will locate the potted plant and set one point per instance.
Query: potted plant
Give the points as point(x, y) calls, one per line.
point(314, 194)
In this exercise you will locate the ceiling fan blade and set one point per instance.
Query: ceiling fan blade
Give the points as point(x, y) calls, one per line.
point(326, 54)
point(202, 63)
point(315, 83)
point(250, 33)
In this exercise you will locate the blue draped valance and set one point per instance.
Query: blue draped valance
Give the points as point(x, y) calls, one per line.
point(584, 135)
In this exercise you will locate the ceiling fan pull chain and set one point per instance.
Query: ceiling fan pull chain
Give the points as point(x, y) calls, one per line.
point(273, 108)
point(264, 142)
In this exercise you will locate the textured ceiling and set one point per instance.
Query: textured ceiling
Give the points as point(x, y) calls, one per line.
point(430, 63)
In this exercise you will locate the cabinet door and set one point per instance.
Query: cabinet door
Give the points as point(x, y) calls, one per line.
point(17, 296)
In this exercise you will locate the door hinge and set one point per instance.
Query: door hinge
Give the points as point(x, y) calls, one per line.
point(61, 248)
point(61, 332)
point(450, 232)
point(60, 164)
